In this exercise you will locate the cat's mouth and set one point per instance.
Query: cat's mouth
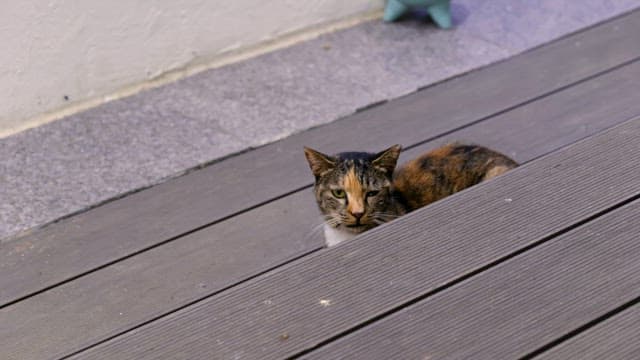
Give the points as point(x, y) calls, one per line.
point(357, 227)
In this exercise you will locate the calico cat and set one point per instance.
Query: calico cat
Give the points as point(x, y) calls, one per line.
point(357, 191)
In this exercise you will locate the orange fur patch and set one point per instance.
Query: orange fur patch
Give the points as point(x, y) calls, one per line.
point(495, 171)
point(446, 170)
point(355, 192)
point(440, 152)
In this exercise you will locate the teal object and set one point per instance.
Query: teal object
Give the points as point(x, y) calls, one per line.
point(437, 9)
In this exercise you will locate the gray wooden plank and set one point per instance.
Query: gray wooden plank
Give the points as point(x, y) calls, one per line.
point(140, 288)
point(518, 306)
point(230, 251)
point(613, 339)
point(309, 301)
point(118, 229)
point(530, 131)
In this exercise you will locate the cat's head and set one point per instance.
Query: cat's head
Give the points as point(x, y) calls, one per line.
point(353, 189)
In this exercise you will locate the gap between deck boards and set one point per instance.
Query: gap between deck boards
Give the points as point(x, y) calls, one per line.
point(596, 342)
point(575, 333)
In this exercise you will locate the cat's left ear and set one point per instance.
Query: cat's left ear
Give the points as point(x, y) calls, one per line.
point(319, 162)
point(386, 160)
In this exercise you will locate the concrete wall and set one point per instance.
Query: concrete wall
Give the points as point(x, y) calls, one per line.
point(62, 55)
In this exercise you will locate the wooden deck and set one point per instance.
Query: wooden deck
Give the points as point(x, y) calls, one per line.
point(224, 263)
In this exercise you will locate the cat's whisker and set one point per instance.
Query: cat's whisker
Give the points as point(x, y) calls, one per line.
point(331, 220)
point(385, 217)
point(386, 214)
point(318, 229)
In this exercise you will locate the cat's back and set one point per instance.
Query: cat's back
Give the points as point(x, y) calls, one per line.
point(446, 170)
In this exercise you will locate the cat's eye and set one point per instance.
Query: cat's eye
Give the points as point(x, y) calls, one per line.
point(338, 193)
point(372, 193)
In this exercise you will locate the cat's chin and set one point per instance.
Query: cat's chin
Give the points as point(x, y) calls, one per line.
point(335, 235)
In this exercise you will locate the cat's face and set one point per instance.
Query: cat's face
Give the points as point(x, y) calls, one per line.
point(353, 190)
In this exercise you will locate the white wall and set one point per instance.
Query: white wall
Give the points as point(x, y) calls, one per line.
point(89, 50)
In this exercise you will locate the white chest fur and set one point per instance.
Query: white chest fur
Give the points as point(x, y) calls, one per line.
point(333, 236)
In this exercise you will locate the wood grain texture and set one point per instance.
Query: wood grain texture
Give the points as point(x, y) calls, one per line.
point(159, 280)
point(137, 222)
point(552, 122)
point(518, 306)
point(614, 339)
point(228, 252)
point(309, 301)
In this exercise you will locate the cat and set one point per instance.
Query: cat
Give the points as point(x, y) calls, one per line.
point(357, 191)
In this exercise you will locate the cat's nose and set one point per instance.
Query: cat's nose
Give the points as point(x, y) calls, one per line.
point(357, 215)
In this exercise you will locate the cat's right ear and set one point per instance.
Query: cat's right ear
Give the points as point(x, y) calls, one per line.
point(319, 162)
point(386, 160)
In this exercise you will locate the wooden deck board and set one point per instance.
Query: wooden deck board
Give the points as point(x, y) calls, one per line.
point(517, 307)
point(121, 228)
point(137, 289)
point(226, 253)
point(312, 300)
point(613, 339)
point(552, 122)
